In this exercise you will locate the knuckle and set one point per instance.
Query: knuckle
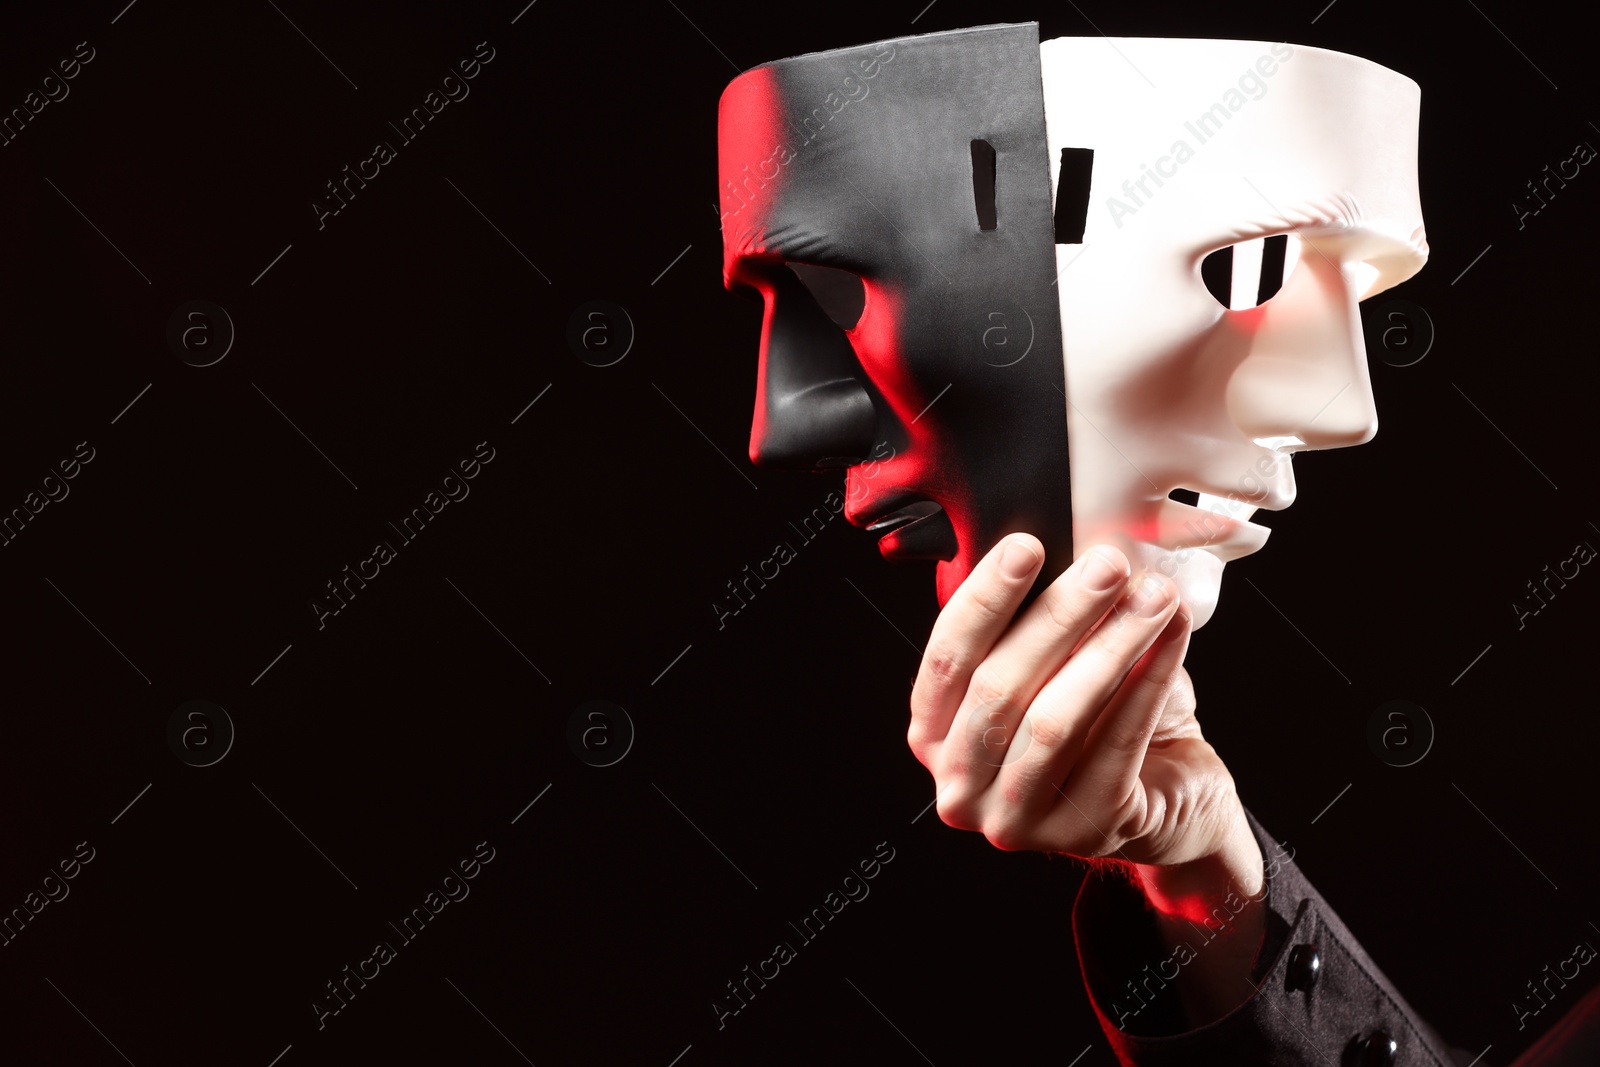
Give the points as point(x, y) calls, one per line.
point(991, 601)
point(1064, 608)
point(955, 810)
point(1122, 632)
point(1008, 835)
point(942, 668)
point(1014, 791)
point(988, 689)
point(916, 740)
point(1130, 730)
point(1126, 624)
point(1050, 731)
point(1150, 593)
point(1002, 841)
point(1124, 739)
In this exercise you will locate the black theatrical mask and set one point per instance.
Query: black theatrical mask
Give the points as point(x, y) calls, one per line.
point(891, 205)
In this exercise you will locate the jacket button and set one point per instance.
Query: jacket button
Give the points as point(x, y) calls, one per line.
point(1304, 966)
point(1378, 1050)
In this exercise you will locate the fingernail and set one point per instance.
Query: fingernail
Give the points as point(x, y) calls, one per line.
point(1018, 560)
point(1100, 574)
point(1156, 594)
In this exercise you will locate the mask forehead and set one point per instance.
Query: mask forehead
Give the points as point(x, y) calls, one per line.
point(1210, 140)
point(862, 157)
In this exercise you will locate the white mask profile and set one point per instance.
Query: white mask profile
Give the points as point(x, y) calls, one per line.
point(1303, 162)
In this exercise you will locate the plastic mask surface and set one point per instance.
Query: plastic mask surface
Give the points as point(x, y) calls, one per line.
point(1296, 164)
point(929, 356)
point(892, 207)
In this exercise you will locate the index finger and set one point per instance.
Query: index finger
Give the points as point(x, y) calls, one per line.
point(967, 628)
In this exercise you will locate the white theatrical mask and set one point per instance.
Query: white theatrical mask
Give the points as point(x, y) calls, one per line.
point(1199, 145)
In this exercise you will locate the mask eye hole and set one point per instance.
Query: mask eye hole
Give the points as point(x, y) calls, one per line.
point(841, 294)
point(1249, 273)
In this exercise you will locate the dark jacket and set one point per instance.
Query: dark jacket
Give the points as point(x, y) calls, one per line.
point(1318, 998)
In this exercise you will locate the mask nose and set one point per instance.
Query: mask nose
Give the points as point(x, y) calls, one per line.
point(1305, 374)
point(811, 409)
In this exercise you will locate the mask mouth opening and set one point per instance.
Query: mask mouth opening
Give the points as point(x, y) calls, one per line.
point(1227, 507)
point(1185, 496)
point(905, 516)
point(1214, 524)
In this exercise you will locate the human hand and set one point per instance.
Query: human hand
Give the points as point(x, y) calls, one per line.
point(1072, 729)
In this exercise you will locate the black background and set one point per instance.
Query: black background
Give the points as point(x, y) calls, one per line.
point(414, 725)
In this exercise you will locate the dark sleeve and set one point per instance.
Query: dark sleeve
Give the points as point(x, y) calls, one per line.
point(1317, 998)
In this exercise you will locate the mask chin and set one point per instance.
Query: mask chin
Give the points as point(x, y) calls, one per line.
point(1197, 574)
point(1200, 592)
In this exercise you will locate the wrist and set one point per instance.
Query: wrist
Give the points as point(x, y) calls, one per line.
point(1211, 911)
point(1212, 888)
